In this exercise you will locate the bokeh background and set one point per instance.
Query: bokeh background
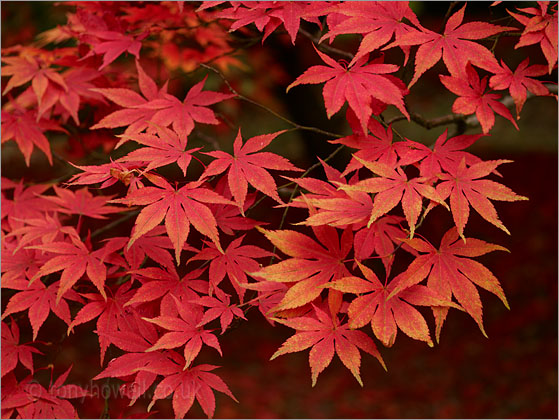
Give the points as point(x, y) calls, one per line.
point(513, 374)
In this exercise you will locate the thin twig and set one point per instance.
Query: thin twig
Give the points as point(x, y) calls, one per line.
point(326, 47)
point(271, 111)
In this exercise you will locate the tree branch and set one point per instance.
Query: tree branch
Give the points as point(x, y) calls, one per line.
point(469, 120)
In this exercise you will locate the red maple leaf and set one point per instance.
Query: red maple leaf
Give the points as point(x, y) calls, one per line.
point(519, 82)
point(130, 364)
point(81, 202)
point(219, 306)
point(162, 149)
point(541, 29)
point(28, 68)
point(112, 44)
point(445, 155)
point(318, 189)
point(109, 174)
point(378, 22)
point(311, 266)
point(465, 188)
point(51, 403)
point(270, 294)
point(452, 274)
point(26, 203)
point(228, 217)
point(66, 100)
point(12, 351)
point(391, 187)
point(22, 127)
point(184, 330)
point(381, 239)
point(267, 16)
point(80, 87)
point(327, 335)
point(133, 116)
point(454, 46)
point(75, 261)
point(248, 167)
point(182, 115)
point(18, 266)
point(158, 283)
point(329, 205)
point(235, 261)
point(353, 208)
point(153, 245)
point(197, 383)
point(387, 309)
point(357, 84)
point(46, 229)
point(378, 147)
point(40, 300)
point(472, 98)
point(179, 207)
point(163, 110)
point(109, 313)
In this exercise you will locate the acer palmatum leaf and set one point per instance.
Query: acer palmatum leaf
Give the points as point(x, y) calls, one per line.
point(445, 155)
point(179, 207)
point(473, 98)
point(518, 82)
point(387, 310)
point(391, 187)
point(22, 127)
point(38, 402)
point(450, 271)
point(541, 28)
point(162, 149)
point(327, 335)
point(81, 202)
point(357, 85)
point(248, 166)
point(465, 188)
point(235, 261)
point(39, 300)
point(28, 68)
point(133, 116)
point(13, 351)
point(377, 21)
point(311, 264)
point(75, 260)
point(454, 46)
point(184, 331)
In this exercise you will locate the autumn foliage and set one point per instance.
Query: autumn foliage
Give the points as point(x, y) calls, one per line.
point(178, 231)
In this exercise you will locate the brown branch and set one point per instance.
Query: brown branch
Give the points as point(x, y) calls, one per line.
point(508, 101)
point(470, 121)
point(428, 124)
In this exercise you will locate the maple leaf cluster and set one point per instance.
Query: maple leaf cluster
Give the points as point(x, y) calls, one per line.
point(162, 247)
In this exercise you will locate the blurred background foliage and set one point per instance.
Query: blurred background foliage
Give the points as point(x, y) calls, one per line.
point(511, 374)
